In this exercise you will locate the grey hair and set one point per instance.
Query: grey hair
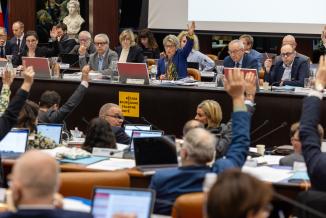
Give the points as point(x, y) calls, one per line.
point(172, 39)
point(105, 108)
point(237, 41)
point(86, 33)
point(104, 36)
point(200, 145)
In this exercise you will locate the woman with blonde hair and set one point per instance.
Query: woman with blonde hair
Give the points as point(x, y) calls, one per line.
point(129, 51)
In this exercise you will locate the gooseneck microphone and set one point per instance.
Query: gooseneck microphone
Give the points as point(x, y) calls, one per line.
point(146, 121)
point(270, 132)
point(259, 127)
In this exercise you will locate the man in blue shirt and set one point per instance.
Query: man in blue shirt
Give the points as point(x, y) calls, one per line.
point(198, 150)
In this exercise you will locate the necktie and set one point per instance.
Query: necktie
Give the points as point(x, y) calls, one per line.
point(100, 63)
point(237, 65)
point(18, 44)
point(2, 53)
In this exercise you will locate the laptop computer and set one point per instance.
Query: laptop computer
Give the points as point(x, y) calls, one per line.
point(109, 201)
point(71, 59)
point(133, 73)
point(41, 66)
point(50, 130)
point(130, 127)
point(14, 143)
point(152, 153)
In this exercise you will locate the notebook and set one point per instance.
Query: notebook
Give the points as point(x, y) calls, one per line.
point(152, 153)
point(50, 130)
point(41, 66)
point(130, 127)
point(133, 73)
point(108, 201)
point(14, 143)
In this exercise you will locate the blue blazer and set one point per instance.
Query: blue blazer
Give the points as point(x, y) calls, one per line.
point(310, 141)
point(170, 183)
point(41, 213)
point(248, 61)
point(179, 60)
point(299, 71)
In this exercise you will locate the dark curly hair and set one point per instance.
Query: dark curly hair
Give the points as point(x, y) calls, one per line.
point(28, 115)
point(99, 134)
point(146, 33)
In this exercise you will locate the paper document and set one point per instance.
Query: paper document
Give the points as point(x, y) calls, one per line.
point(268, 174)
point(113, 164)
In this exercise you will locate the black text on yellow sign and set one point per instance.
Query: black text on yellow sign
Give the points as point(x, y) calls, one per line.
point(129, 103)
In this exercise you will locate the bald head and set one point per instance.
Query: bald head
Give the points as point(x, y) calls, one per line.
point(289, 40)
point(35, 175)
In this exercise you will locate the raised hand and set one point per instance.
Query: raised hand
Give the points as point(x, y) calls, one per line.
point(191, 28)
point(250, 86)
point(85, 73)
point(268, 64)
point(28, 75)
point(321, 73)
point(234, 83)
point(7, 78)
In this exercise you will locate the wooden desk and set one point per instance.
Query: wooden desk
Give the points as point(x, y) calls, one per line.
point(169, 107)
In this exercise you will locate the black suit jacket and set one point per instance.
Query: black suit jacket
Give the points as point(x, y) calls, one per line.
point(45, 213)
point(120, 135)
point(135, 54)
point(66, 44)
point(10, 48)
point(13, 40)
point(299, 71)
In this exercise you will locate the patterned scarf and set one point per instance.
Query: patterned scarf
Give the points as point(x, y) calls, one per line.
point(171, 71)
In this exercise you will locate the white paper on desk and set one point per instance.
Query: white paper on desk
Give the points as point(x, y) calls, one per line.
point(268, 174)
point(113, 164)
point(269, 159)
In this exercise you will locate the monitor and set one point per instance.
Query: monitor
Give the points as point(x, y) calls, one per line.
point(15, 141)
point(52, 131)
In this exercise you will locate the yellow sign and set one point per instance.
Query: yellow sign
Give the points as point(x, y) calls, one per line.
point(129, 103)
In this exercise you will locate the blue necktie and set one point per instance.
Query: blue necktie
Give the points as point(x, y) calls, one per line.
point(100, 63)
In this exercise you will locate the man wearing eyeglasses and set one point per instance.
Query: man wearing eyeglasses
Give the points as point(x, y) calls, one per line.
point(101, 60)
point(112, 113)
point(290, 70)
point(6, 47)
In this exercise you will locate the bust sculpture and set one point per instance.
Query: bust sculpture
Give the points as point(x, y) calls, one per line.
point(73, 20)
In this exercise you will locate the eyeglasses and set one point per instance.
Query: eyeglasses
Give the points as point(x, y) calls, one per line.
point(100, 43)
point(115, 116)
point(234, 51)
point(287, 54)
point(169, 46)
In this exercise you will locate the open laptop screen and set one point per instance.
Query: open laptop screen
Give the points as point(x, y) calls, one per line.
point(52, 131)
point(130, 127)
point(132, 73)
point(107, 202)
point(41, 66)
point(15, 141)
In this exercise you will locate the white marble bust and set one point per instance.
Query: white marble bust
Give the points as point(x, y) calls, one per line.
point(73, 20)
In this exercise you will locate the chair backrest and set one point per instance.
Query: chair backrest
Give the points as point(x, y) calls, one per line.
point(189, 205)
point(194, 73)
point(150, 62)
point(213, 57)
point(81, 184)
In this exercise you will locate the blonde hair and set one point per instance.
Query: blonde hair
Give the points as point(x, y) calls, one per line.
point(196, 41)
point(213, 112)
point(127, 33)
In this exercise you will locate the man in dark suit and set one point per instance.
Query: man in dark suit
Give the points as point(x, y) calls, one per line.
point(34, 182)
point(19, 37)
point(6, 47)
point(291, 70)
point(65, 43)
point(112, 114)
point(315, 159)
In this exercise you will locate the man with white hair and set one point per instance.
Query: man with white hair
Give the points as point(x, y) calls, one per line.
point(86, 46)
point(34, 182)
point(238, 58)
point(101, 60)
point(198, 150)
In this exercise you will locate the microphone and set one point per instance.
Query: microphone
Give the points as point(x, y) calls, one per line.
point(85, 121)
point(259, 127)
point(146, 121)
point(270, 132)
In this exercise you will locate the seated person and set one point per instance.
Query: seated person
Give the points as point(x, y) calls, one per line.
point(28, 119)
point(99, 134)
point(205, 63)
point(50, 110)
point(100, 61)
point(6, 46)
point(173, 65)
point(85, 46)
point(310, 139)
point(290, 40)
point(34, 182)
point(321, 49)
point(147, 42)
point(129, 51)
point(59, 33)
point(209, 113)
point(238, 57)
point(32, 49)
point(113, 115)
point(291, 70)
point(296, 156)
point(248, 42)
point(239, 195)
point(198, 150)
